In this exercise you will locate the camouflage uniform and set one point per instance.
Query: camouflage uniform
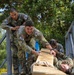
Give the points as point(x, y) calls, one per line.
point(61, 58)
point(7, 24)
point(56, 45)
point(60, 48)
point(27, 42)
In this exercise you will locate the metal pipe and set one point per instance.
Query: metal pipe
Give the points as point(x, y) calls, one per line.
point(69, 30)
point(9, 57)
point(71, 40)
point(3, 63)
point(4, 36)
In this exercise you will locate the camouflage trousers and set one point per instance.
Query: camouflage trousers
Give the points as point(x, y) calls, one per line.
point(15, 60)
point(25, 63)
point(21, 54)
point(14, 48)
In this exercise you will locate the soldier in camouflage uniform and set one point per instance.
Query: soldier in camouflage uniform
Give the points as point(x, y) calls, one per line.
point(26, 36)
point(63, 62)
point(56, 45)
point(13, 22)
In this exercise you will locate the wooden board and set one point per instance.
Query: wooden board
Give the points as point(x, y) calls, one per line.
point(47, 69)
point(41, 70)
point(45, 56)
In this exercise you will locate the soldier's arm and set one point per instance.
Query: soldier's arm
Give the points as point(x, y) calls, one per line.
point(35, 52)
point(60, 54)
point(23, 45)
point(43, 41)
point(6, 24)
point(26, 48)
point(61, 48)
point(25, 18)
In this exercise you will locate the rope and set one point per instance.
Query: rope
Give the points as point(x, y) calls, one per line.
point(43, 63)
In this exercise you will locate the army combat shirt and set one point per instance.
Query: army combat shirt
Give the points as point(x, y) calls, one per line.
point(23, 38)
point(9, 22)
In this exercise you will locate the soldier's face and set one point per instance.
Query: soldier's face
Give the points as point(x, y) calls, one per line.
point(29, 29)
point(14, 15)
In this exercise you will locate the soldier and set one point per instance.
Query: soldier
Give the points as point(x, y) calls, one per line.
point(56, 45)
point(13, 22)
point(26, 36)
point(63, 62)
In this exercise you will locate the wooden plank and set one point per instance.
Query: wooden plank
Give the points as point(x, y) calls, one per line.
point(41, 70)
point(45, 57)
point(44, 64)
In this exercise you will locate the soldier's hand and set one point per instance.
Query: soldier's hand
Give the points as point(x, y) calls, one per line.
point(36, 53)
point(53, 53)
point(15, 28)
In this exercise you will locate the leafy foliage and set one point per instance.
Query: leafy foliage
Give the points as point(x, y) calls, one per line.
point(52, 17)
point(2, 50)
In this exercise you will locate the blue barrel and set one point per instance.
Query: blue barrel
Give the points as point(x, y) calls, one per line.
point(37, 48)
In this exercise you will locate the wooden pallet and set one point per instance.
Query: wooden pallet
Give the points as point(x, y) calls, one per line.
point(44, 65)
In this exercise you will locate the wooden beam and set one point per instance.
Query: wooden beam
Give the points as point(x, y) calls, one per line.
point(44, 65)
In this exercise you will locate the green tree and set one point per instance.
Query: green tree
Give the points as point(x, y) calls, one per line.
point(2, 51)
point(52, 17)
